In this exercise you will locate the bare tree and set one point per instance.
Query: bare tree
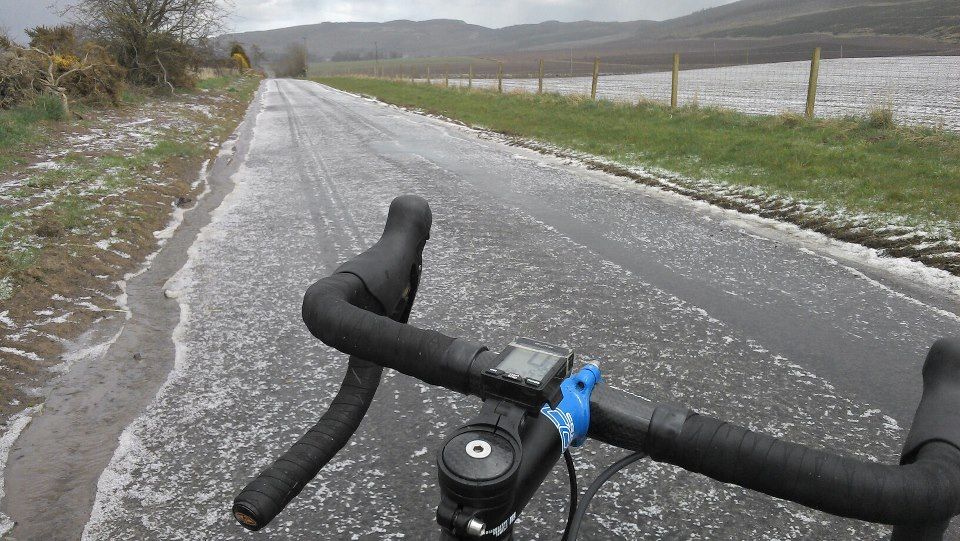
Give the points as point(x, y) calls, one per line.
point(155, 40)
point(257, 56)
point(293, 63)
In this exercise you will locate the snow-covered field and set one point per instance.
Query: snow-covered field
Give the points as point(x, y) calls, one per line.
point(922, 90)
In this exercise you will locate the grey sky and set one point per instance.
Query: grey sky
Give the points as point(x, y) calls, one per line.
point(15, 15)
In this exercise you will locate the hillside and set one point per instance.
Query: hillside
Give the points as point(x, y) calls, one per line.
point(938, 19)
point(746, 13)
point(438, 37)
point(932, 20)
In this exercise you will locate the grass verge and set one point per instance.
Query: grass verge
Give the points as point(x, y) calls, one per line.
point(854, 165)
point(79, 208)
point(25, 125)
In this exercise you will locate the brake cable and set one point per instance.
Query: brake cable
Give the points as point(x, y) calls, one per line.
point(572, 471)
point(573, 523)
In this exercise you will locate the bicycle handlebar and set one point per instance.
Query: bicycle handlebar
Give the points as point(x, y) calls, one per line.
point(346, 311)
point(382, 280)
point(921, 494)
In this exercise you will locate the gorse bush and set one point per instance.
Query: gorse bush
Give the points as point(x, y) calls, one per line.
point(56, 40)
point(239, 57)
point(161, 44)
point(57, 63)
point(16, 81)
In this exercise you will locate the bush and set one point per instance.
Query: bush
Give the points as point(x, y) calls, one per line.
point(158, 43)
point(16, 80)
point(60, 39)
point(103, 80)
point(881, 118)
point(239, 56)
point(58, 63)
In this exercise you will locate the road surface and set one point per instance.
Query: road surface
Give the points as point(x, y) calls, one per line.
point(676, 300)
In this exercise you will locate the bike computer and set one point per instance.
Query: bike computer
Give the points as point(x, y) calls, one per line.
point(529, 373)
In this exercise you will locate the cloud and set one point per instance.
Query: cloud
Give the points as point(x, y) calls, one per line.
point(17, 15)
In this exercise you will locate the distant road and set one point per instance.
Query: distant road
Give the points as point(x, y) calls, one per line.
point(677, 300)
point(921, 89)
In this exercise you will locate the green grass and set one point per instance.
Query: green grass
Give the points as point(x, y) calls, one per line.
point(864, 165)
point(216, 83)
point(133, 96)
point(21, 259)
point(229, 83)
point(24, 125)
point(73, 212)
point(242, 87)
point(83, 205)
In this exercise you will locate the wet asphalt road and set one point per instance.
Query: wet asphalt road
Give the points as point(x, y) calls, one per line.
point(677, 301)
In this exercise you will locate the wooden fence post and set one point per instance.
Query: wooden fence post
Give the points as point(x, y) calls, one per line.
point(676, 80)
point(812, 86)
point(413, 74)
point(500, 77)
point(446, 77)
point(596, 74)
point(540, 85)
point(470, 79)
point(428, 74)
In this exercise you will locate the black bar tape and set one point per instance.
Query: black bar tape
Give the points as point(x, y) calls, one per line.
point(276, 486)
point(378, 339)
point(926, 491)
point(348, 312)
point(666, 425)
point(920, 532)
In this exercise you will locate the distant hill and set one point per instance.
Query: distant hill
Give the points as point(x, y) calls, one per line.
point(937, 19)
point(931, 20)
point(438, 37)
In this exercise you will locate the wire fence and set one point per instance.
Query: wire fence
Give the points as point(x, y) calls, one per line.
point(920, 89)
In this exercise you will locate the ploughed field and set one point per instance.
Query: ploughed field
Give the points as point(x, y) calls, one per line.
point(922, 90)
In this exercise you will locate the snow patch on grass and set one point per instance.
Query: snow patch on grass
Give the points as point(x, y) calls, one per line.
point(21, 353)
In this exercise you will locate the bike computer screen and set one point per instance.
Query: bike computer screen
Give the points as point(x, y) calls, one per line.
point(528, 363)
point(529, 373)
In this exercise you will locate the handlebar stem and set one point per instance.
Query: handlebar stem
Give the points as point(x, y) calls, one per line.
point(490, 468)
